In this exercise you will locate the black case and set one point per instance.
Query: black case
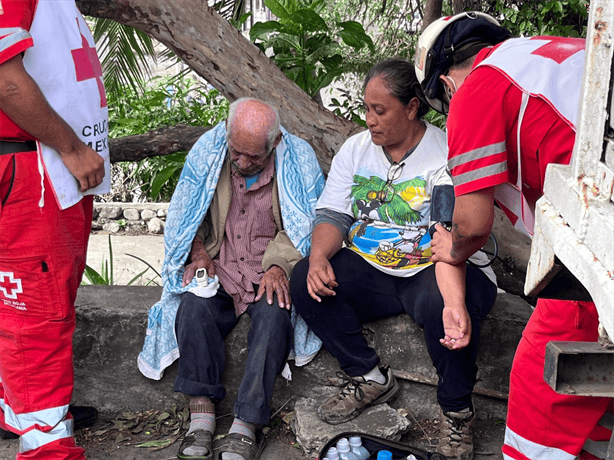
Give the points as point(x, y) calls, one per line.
point(374, 444)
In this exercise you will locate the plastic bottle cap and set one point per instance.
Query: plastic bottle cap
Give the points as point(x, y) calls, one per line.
point(355, 441)
point(384, 455)
point(343, 445)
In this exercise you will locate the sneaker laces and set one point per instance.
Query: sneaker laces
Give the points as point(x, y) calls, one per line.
point(351, 385)
point(457, 426)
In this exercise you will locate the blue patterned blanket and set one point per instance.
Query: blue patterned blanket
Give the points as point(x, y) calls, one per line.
point(300, 183)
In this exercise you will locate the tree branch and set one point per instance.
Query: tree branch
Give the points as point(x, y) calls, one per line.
point(232, 64)
point(158, 142)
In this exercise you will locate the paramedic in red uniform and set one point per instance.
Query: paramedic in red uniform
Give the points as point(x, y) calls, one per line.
point(502, 92)
point(53, 158)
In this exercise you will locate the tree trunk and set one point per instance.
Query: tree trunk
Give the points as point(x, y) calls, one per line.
point(458, 6)
point(155, 143)
point(232, 64)
point(432, 11)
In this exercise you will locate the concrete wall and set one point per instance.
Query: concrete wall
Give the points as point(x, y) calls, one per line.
point(111, 323)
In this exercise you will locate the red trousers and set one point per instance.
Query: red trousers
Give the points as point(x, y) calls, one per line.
point(542, 424)
point(42, 258)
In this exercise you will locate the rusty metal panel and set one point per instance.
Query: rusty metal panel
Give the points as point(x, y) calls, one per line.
point(595, 92)
point(555, 239)
point(580, 368)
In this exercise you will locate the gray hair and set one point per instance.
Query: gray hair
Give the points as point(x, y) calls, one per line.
point(274, 130)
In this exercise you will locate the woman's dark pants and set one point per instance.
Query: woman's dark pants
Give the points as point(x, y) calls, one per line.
point(367, 294)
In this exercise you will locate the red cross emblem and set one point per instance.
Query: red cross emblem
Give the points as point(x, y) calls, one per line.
point(87, 66)
point(560, 49)
point(9, 285)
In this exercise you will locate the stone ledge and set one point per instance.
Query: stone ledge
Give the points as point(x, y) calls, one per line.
point(111, 323)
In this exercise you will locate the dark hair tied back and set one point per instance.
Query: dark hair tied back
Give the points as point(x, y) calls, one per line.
point(400, 77)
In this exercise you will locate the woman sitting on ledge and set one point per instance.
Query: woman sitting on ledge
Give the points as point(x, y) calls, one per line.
point(386, 187)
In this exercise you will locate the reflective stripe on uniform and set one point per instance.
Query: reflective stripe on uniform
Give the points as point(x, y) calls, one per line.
point(476, 154)
point(533, 450)
point(12, 35)
point(43, 418)
point(34, 439)
point(480, 173)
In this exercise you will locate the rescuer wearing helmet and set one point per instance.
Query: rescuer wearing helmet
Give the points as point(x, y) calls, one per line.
point(513, 105)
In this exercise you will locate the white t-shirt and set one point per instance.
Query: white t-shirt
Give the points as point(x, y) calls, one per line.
point(391, 211)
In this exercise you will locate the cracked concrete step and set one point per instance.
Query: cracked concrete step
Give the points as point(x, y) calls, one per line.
point(111, 323)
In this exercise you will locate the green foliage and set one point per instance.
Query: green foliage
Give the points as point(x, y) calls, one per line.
point(166, 102)
point(105, 276)
point(436, 118)
point(394, 27)
point(351, 107)
point(306, 47)
point(553, 17)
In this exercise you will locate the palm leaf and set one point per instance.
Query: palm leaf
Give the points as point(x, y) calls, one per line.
point(399, 212)
point(124, 52)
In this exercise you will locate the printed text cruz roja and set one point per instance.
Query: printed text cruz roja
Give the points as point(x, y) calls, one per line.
point(95, 135)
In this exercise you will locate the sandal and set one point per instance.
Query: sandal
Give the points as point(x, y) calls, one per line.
point(200, 439)
point(236, 443)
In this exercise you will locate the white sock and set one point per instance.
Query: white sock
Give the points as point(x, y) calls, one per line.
point(202, 421)
point(243, 428)
point(375, 375)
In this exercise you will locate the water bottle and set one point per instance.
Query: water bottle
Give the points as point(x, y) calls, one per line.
point(343, 448)
point(384, 455)
point(332, 454)
point(357, 449)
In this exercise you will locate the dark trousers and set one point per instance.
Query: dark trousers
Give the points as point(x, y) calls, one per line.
point(366, 294)
point(202, 325)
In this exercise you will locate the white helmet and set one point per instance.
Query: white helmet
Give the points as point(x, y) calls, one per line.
point(448, 41)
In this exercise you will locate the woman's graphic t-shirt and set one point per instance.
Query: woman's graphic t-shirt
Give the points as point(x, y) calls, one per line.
point(389, 202)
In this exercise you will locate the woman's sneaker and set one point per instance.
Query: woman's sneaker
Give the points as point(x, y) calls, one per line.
point(456, 434)
point(357, 395)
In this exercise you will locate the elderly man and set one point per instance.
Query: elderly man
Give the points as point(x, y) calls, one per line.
point(242, 211)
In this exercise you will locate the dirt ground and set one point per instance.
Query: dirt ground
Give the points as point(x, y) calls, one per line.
point(156, 435)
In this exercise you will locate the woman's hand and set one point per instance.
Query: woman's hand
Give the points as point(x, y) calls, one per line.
point(456, 326)
point(320, 278)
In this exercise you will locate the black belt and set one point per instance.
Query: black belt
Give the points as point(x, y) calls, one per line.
point(8, 147)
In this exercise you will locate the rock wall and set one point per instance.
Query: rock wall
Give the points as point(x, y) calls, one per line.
point(130, 218)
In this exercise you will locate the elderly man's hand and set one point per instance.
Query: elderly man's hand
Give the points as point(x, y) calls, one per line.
point(275, 281)
point(456, 327)
point(199, 260)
